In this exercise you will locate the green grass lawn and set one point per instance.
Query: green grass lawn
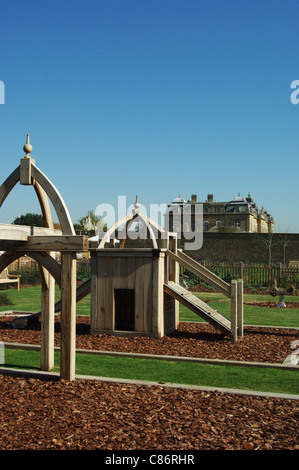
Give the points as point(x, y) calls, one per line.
point(29, 299)
point(224, 376)
point(252, 315)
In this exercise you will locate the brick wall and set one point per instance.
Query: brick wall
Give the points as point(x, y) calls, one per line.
point(247, 247)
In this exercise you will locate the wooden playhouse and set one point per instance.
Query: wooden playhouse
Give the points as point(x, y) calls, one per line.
point(136, 291)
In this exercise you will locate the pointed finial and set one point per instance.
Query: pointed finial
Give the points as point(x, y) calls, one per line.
point(136, 206)
point(27, 147)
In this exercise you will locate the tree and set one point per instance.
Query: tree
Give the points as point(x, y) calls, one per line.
point(33, 220)
point(88, 223)
point(284, 241)
point(268, 240)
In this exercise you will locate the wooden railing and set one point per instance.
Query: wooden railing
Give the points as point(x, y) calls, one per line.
point(234, 290)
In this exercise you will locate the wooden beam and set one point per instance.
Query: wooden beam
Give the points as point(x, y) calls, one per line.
point(233, 311)
point(158, 297)
point(48, 262)
point(58, 243)
point(25, 170)
point(68, 316)
point(240, 316)
point(9, 184)
point(47, 320)
point(22, 232)
point(56, 199)
point(200, 271)
point(44, 204)
point(46, 243)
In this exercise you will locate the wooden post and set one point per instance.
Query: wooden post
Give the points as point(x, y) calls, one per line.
point(233, 315)
point(68, 316)
point(47, 321)
point(174, 274)
point(158, 294)
point(240, 322)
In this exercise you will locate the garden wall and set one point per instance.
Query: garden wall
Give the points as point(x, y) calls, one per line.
point(247, 247)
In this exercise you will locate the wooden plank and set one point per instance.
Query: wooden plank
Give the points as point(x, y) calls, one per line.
point(123, 253)
point(68, 316)
point(200, 271)
point(148, 289)
point(233, 316)
point(61, 243)
point(240, 316)
point(139, 295)
point(11, 231)
point(93, 295)
point(109, 295)
point(47, 320)
point(118, 272)
point(48, 261)
point(219, 322)
point(158, 298)
point(100, 307)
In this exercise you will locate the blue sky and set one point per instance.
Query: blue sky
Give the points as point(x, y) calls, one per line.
point(153, 98)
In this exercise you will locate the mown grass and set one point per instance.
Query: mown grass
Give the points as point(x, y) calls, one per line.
point(252, 315)
point(29, 299)
point(177, 372)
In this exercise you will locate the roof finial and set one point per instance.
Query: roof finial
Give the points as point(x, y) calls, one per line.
point(27, 147)
point(136, 206)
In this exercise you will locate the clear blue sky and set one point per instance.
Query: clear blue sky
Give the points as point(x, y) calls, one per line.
point(153, 98)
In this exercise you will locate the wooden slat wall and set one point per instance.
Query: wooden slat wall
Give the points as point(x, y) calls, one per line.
point(123, 270)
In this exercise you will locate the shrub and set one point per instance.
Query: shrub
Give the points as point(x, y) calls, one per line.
point(4, 300)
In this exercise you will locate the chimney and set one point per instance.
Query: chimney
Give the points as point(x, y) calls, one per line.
point(210, 197)
point(194, 198)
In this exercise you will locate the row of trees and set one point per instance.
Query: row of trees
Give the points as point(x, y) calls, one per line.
point(87, 223)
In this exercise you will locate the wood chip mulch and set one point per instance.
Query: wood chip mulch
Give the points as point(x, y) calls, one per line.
point(50, 415)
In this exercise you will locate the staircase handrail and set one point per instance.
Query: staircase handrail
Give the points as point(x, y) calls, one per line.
point(201, 272)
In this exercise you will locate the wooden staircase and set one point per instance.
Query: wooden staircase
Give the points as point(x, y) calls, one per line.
point(199, 307)
point(234, 291)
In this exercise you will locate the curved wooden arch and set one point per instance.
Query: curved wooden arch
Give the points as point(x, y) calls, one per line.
point(9, 184)
point(42, 258)
point(56, 199)
point(128, 220)
point(43, 188)
point(44, 204)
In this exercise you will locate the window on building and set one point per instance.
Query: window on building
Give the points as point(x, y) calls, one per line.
point(206, 226)
point(237, 223)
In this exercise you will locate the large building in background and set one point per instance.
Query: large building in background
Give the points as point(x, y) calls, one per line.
point(238, 215)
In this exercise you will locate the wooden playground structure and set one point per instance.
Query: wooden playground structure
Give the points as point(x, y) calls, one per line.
point(41, 243)
point(134, 291)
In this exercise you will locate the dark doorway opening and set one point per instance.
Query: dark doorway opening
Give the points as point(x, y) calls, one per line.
point(124, 309)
